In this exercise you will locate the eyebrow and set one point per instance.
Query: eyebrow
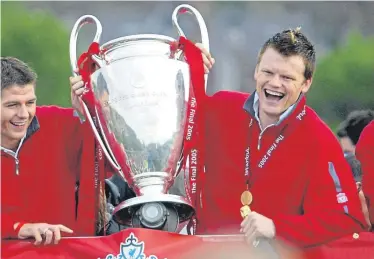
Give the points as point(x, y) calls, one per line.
point(11, 102)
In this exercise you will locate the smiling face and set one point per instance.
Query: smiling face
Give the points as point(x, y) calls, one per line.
point(279, 82)
point(18, 106)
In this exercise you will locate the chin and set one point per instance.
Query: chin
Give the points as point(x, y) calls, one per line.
point(273, 111)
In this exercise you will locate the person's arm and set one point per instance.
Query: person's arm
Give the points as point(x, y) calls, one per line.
point(365, 154)
point(331, 205)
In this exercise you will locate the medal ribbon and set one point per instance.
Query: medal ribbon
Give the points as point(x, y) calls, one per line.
point(267, 155)
point(193, 149)
point(89, 186)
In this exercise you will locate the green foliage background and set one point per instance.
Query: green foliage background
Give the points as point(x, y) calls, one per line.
point(344, 79)
point(42, 41)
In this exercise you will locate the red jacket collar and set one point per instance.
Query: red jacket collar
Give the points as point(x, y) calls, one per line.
point(297, 112)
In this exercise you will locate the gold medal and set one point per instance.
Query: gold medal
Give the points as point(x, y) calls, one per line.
point(246, 198)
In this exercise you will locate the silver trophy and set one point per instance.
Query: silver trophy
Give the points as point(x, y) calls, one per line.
point(141, 89)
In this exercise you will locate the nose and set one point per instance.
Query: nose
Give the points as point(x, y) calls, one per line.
point(275, 81)
point(23, 112)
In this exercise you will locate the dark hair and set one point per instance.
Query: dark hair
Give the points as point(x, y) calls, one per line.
point(293, 43)
point(16, 72)
point(353, 125)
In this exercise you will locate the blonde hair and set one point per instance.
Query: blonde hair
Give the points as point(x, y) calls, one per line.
point(292, 34)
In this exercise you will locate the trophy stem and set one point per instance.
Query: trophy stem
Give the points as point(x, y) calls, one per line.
point(151, 182)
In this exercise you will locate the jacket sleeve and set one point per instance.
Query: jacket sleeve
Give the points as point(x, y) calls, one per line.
point(331, 207)
point(365, 154)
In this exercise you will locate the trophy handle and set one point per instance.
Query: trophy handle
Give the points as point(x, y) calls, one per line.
point(184, 8)
point(86, 19)
point(74, 36)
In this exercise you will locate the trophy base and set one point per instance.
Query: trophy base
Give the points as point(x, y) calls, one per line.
point(156, 211)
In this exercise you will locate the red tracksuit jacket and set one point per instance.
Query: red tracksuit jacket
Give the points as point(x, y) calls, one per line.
point(365, 153)
point(299, 177)
point(42, 188)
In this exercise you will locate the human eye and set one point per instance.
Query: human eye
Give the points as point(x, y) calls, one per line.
point(267, 72)
point(11, 105)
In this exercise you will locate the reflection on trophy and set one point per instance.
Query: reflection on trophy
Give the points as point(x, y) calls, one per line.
point(141, 91)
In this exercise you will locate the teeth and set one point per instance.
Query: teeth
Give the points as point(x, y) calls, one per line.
point(19, 123)
point(274, 93)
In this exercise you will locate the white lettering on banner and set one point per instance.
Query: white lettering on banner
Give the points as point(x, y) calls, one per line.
point(270, 151)
point(99, 157)
point(193, 170)
point(275, 144)
point(246, 170)
point(96, 174)
point(100, 153)
point(191, 118)
point(193, 157)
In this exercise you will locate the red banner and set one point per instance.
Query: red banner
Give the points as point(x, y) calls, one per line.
point(151, 244)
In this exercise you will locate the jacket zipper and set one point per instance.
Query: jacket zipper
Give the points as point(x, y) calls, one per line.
point(260, 136)
point(17, 166)
point(14, 154)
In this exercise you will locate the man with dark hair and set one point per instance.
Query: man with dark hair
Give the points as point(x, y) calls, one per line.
point(41, 157)
point(273, 154)
point(349, 132)
point(350, 129)
point(365, 153)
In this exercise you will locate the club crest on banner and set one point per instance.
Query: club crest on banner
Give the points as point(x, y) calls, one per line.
point(131, 249)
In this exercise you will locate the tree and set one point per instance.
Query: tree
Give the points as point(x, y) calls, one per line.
point(344, 80)
point(42, 41)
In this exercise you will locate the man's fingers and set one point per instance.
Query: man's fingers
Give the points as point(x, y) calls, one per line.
point(79, 92)
point(37, 236)
point(203, 50)
point(75, 79)
point(57, 234)
point(207, 62)
point(77, 85)
point(65, 229)
point(250, 237)
point(244, 222)
point(250, 225)
point(48, 236)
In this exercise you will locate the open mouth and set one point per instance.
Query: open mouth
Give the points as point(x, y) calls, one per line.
point(273, 95)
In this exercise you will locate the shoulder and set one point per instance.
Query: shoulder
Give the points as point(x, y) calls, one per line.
point(226, 101)
point(54, 112)
point(365, 143)
point(56, 117)
point(231, 97)
point(367, 135)
point(319, 132)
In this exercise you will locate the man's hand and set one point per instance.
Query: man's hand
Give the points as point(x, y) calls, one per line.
point(256, 226)
point(364, 205)
point(41, 231)
point(207, 58)
point(77, 89)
